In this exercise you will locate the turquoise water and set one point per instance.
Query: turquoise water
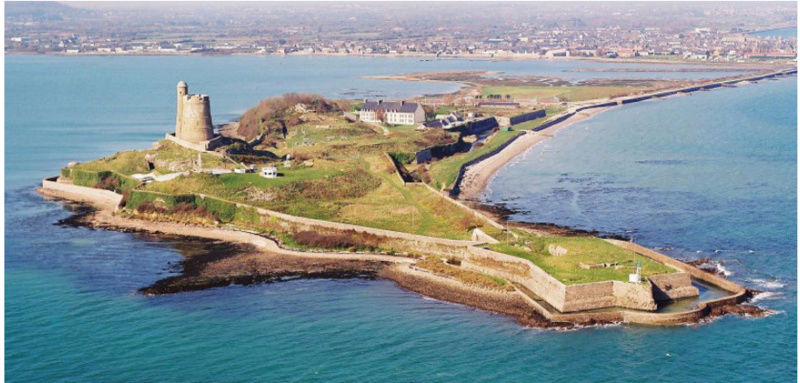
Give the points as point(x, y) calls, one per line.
point(713, 174)
point(73, 314)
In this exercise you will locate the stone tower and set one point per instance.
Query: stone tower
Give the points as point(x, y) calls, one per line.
point(193, 118)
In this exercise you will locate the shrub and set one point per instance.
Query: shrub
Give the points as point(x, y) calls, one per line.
point(88, 178)
point(137, 197)
point(224, 211)
point(348, 239)
point(262, 118)
point(403, 158)
point(108, 183)
point(247, 215)
point(66, 172)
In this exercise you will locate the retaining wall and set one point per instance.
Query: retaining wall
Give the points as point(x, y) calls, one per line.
point(457, 184)
point(97, 197)
point(518, 119)
point(554, 121)
point(204, 146)
point(672, 286)
point(441, 151)
point(603, 105)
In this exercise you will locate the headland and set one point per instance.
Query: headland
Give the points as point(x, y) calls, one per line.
point(333, 197)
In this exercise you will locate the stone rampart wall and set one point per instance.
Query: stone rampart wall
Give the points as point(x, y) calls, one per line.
point(637, 296)
point(527, 117)
point(672, 286)
point(691, 270)
point(568, 298)
point(588, 296)
point(98, 197)
point(537, 280)
point(204, 146)
point(457, 184)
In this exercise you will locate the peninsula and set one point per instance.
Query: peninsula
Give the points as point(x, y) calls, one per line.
point(312, 187)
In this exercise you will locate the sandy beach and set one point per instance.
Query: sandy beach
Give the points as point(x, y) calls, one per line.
point(478, 175)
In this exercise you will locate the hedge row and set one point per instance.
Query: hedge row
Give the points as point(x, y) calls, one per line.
point(87, 178)
point(93, 178)
point(223, 210)
point(137, 197)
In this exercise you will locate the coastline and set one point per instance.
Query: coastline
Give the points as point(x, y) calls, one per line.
point(426, 56)
point(269, 262)
point(267, 265)
point(264, 261)
point(477, 175)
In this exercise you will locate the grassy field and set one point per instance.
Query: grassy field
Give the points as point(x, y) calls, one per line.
point(565, 93)
point(361, 192)
point(167, 157)
point(587, 250)
point(444, 172)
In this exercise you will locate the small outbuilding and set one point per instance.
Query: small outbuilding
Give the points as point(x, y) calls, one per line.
point(269, 172)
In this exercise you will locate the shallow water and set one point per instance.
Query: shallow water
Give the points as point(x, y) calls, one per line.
point(73, 314)
point(713, 175)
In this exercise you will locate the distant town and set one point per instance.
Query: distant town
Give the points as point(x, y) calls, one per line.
point(479, 30)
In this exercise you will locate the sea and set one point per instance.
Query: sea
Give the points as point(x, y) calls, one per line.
point(707, 175)
point(785, 33)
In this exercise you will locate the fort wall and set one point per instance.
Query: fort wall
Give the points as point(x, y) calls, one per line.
point(672, 286)
point(97, 197)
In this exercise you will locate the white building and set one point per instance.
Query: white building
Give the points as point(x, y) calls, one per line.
point(398, 113)
point(269, 172)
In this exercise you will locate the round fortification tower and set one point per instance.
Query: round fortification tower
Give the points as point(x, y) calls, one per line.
point(193, 120)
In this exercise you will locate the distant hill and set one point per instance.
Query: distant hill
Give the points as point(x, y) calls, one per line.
point(40, 11)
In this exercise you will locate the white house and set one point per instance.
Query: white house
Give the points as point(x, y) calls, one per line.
point(398, 113)
point(269, 172)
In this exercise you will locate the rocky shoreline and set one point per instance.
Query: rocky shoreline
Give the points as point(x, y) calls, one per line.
point(247, 265)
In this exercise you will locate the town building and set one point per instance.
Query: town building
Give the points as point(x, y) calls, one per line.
point(398, 113)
